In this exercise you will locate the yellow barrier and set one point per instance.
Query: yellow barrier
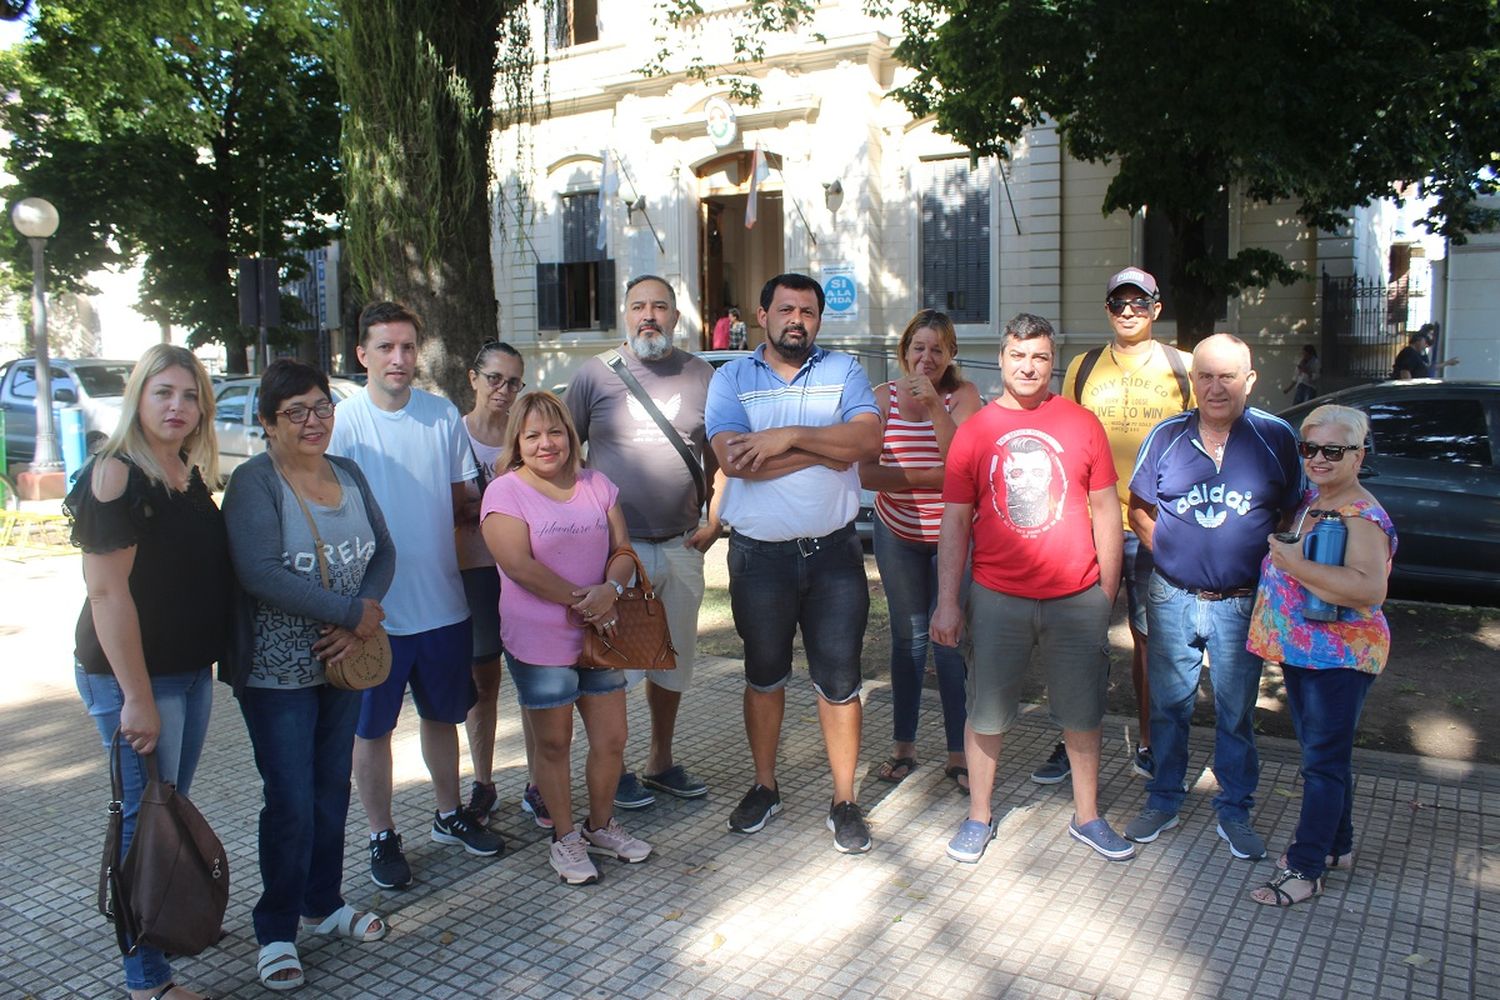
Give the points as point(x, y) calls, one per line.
point(35, 534)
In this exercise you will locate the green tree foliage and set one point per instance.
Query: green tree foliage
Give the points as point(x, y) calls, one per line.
point(1324, 102)
point(183, 133)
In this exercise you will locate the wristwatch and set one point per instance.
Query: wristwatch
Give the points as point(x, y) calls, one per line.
point(619, 588)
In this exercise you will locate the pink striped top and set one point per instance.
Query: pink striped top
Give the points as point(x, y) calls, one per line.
point(914, 515)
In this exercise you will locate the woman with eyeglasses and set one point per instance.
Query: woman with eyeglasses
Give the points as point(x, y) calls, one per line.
point(920, 412)
point(496, 378)
point(1328, 666)
point(281, 506)
point(156, 564)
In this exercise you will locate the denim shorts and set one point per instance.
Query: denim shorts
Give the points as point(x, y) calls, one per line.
point(774, 588)
point(482, 589)
point(437, 665)
point(553, 687)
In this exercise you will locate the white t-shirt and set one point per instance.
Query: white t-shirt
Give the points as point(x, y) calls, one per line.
point(412, 458)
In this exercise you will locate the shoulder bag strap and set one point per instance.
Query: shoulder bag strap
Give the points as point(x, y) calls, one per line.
point(1085, 368)
point(1184, 386)
point(311, 526)
point(485, 474)
point(614, 361)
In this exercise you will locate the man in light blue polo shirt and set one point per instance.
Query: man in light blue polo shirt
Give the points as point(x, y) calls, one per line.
point(1210, 485)
point(789, 426)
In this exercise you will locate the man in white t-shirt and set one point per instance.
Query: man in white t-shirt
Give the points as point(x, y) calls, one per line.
point(411, 447)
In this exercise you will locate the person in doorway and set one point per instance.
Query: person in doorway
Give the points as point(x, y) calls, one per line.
point(1415, 359)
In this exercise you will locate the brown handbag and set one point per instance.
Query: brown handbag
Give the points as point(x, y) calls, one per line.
point(640, 639)
point(369, 663)
point(170, 890)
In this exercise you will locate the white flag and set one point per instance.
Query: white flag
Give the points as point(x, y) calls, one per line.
point(759, 172)
point(609, 184)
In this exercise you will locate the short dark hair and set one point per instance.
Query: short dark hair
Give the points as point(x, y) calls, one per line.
point(494, 347)
point(795, 282)
point(671, 295)
point(1028, 326)
point(283, 379)
point(386, 312)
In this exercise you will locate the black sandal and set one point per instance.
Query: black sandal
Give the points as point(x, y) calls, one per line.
point(1283, 898)
point(161, 994)
point(887, 771)
point(955, 772)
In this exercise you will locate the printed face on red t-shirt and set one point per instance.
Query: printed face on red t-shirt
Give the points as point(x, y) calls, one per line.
point(1028, 474)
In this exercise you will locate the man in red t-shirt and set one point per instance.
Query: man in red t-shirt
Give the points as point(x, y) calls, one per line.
point(1031, 479)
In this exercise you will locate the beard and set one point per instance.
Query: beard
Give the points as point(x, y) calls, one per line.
point(792, 351)
point(650, 343)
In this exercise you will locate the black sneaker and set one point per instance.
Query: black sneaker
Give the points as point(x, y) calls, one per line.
point(461, 830)
point(850, 834)
point(759, 804)
point(1056, 768)
point(482, 801)
point(388, 867)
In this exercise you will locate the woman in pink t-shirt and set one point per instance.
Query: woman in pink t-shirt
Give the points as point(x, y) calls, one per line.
point(551, 526)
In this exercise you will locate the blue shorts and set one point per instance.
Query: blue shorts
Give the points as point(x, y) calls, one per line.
point(482, 589)
point(1135, 579)
point(554, 687)
point(437, 664)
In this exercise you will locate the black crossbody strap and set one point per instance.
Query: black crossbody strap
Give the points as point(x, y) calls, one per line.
point(615, 362)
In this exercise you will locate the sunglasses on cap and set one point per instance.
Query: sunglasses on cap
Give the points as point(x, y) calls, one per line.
point(1332, 452)
point(1118, 306)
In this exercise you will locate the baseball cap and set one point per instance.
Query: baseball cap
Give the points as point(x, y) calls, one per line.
point(1133, 276)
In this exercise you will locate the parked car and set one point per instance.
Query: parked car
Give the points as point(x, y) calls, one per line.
point(1434, 464)
point(238, 424)
point(93, 384)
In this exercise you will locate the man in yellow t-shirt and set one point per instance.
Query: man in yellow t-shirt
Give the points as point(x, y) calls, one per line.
point(1131, 384)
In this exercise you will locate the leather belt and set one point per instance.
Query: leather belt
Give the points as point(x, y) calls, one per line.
point(1211, 595)
point(804, 546)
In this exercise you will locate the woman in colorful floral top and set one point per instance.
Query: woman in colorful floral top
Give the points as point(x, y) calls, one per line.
point(1328, 666)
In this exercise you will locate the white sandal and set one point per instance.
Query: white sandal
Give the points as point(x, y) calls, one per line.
point(279, 956)
point(347, 922)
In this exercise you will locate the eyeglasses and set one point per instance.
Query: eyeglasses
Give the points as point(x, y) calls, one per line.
point(299, 414)
point(498, 379)
point(1332, 452)
point(1118, 306)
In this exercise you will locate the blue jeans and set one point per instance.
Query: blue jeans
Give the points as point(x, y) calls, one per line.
point(184, 702)
point(304, 745)
point(1325, 707)
point(908, 572)
point(1183, 628)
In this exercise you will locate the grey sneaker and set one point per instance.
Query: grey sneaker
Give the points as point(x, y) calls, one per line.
point(630, 794)
point(612, 841)
point(1057, 767)
point(850, 834)
point(1149, 825)
point(1244, 843)
point(676, 780)
point(570, 859)
point(972, 838)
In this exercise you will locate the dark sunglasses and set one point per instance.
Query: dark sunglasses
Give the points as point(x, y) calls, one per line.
point(299, 414)
point(1118, 306)
point(1332, 452)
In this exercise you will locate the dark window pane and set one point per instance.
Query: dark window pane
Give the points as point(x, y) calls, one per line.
point(1447, 430)
point(104, 380)
point(581, 227)
point(230, 405)
point(23, 386)
point(955, 241)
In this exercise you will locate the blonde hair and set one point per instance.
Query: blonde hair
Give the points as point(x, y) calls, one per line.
point(551, 408)
point(1347, 417)
point(129, 439)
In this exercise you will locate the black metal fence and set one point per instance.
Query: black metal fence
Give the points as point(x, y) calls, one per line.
point(1364, 325)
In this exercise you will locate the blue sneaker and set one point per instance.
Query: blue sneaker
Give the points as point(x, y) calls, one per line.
point(1102, 839)
point(1056, 768)
point(972, 838)
point(1143, 763)
point(630, 794)
point(676, 780)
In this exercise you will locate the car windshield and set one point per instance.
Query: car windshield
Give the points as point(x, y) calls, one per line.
point(103, 380)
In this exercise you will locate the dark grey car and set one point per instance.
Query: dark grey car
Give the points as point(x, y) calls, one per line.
point(1434, 464)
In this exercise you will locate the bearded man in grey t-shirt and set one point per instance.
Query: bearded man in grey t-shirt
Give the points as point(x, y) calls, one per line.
point(660, 497)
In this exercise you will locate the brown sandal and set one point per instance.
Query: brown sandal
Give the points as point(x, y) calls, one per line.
point(1279, 896)
point(887, 770)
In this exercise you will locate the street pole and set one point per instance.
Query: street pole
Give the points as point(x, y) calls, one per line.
point(46, 457)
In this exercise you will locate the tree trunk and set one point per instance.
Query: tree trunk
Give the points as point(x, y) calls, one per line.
point(1196, 301)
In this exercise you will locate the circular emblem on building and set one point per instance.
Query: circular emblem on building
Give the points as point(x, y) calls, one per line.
point(718, 116)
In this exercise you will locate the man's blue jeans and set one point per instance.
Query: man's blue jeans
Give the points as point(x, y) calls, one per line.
point(304, 745)
point(908, 572)
point(1325, 707)
point(184, 702)
point(1183, 628)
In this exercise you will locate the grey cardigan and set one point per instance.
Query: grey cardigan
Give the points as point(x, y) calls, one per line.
point(252, 513)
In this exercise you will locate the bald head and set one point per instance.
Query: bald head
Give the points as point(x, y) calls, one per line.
point(1222, 349)
point(1222, 379)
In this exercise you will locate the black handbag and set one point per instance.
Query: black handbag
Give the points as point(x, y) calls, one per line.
point(170, 890)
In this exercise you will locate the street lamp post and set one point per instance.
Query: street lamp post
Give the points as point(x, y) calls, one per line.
point(36, 219)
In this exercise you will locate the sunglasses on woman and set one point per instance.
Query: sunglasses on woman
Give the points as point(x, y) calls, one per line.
point(1332, 452)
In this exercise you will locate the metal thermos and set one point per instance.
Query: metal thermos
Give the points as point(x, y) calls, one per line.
point(1324, 544)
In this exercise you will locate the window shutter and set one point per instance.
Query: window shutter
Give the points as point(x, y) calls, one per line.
point(955, 242)
point(581, 228)
point(549, 297)
point(604, 294)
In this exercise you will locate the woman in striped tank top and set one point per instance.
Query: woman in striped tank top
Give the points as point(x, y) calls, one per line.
point(921, 411)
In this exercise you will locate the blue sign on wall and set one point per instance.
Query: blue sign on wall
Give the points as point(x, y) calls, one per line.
point(840, 292)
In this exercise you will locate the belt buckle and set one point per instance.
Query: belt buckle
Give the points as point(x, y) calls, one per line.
point(1210, 595)
point(807, 546)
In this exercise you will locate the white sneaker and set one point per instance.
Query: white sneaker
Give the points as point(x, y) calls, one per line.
point(570, 859)
point(612, 840)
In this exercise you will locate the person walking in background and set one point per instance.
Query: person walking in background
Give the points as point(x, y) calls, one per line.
point(664, 485)
point(720, 338)
point(1415, 359)
point(496, 379)
point(1328, 666)
point(1131, 384)
point(789, 423)
point(737, 339)
point(1305, 375)
point(1030, 486)
point(411, 446)
point(920, 412)
point(1209, 486)
point(551, 527)
point(280, 507)
point(156, 564)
